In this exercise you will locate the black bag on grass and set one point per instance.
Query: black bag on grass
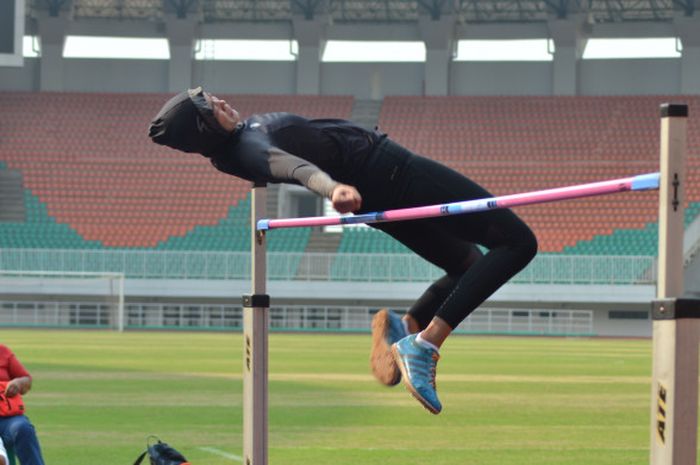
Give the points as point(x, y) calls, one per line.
point(161, 454)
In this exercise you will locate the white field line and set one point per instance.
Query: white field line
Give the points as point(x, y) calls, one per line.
point(213, 450)
point(353, 377)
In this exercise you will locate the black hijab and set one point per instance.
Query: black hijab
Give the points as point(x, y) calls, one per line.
point(186, 122)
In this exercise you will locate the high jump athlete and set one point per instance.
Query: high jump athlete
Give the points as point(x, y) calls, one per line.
point(362, 171)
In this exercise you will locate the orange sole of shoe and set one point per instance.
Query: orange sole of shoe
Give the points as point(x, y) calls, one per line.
point(381, 360)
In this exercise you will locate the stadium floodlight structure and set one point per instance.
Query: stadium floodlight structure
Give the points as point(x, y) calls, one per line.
point(676, 332)
point(395, 11)
point(466, 11)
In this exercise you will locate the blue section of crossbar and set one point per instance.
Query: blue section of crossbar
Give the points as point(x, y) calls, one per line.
point(646, 182)
point(363, 218)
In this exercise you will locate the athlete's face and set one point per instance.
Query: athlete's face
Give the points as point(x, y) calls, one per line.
point(227, 117)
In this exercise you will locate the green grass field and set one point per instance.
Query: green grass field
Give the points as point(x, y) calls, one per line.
point(98, 395)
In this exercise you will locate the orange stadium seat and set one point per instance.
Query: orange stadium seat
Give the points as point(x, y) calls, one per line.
point(93, 166)
point(518, 144)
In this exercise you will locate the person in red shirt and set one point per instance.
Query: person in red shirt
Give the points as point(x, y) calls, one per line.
point(17, 431)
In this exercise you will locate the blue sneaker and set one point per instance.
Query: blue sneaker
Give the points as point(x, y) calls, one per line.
point(387, 328)
point(417, 365)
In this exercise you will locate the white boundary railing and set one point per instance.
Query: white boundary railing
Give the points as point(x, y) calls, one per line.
point(544, 269)
point(327, 318)
point(107, 287)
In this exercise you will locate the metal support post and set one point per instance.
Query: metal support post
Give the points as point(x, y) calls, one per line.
point(674, 406)
point(256, 308)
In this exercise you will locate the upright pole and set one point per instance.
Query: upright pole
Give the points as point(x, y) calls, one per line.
point(256, 307)
point(674, 408)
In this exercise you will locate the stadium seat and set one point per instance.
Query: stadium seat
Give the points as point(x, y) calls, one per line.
point(117, 188)
point(518, 144)
point(120, 190)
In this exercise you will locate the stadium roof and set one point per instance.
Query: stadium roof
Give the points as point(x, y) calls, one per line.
point(344, 11)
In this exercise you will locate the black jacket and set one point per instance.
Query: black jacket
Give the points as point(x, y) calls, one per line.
point(287, 148)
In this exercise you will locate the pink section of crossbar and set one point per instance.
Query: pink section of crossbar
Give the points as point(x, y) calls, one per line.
point(565, 193)
point(412, 213)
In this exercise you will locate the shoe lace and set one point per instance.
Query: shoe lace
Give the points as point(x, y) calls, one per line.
point(433, 367)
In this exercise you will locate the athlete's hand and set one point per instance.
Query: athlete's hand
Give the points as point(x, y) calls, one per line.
point(346, 199)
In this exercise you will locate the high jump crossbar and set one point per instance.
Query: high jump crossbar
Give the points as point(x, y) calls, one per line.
point(635, 183)
point(674, 405)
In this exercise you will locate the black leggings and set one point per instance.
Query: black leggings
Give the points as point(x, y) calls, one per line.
point(398, 178)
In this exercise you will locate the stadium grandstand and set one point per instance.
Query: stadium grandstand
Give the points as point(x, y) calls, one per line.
point(86, 196)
